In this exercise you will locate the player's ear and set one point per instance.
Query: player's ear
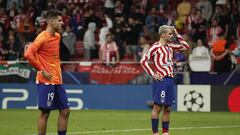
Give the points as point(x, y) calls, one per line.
point(50, 21)
point(164, 35)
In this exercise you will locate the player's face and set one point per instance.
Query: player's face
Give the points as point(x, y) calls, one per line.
point(168, 34)
point(57, 24)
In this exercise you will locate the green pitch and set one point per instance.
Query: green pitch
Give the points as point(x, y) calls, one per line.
point(99, 122)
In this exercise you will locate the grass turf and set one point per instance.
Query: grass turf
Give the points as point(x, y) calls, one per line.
point(113, 122)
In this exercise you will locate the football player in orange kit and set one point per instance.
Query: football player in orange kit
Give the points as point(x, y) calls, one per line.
point(43, 54)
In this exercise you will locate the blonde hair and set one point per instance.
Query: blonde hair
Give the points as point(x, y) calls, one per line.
point(162, 29)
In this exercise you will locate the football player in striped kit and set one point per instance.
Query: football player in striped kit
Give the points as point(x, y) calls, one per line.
point(161, 55)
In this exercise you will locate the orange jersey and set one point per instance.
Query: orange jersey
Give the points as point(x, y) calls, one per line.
point(43, 53)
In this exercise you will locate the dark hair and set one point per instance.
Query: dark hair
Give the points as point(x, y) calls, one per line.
point(109, 34)
point(53, 14)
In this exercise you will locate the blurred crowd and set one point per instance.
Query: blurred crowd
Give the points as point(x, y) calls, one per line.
point(117, 30)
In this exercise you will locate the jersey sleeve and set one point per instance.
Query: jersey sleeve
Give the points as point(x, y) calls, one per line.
point(31, 52)
point(146, 57)
point(183, 45)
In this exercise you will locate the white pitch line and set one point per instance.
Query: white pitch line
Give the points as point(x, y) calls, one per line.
point(146, 129)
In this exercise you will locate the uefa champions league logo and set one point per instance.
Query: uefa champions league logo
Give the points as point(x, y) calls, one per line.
point(193, 101)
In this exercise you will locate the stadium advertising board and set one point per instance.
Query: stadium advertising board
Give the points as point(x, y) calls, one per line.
point(121, 74)
point(225, 98)
point(127, 97)
point(193, 98)
point(124, 97)
point(14, 72)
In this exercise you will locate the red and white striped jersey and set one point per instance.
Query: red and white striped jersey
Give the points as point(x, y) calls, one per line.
point(162, 57)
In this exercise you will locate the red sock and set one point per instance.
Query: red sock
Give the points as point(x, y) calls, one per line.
point(164, 130)
point(165, 126)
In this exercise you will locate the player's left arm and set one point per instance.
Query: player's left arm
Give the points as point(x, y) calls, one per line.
point(182, 45)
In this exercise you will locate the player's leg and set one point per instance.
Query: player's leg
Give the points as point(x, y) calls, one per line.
point(157, 88)
point(155, 118)
point(45, 104)
point(165, 119)
point(63, 121)
point(64, 111)
point(169, 100)
point(42, 121)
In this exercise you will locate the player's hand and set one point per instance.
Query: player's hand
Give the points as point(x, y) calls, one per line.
point(174, 30)
point(27, 45)
point(46, 75)
point(157, 77)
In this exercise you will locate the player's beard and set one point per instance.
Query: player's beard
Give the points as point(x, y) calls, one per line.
point(168, 40)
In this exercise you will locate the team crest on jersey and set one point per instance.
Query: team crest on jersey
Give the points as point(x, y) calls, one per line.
point(49, 103)
point(162, 100)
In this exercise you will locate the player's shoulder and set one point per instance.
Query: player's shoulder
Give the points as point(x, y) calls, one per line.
point(41, 37)
point(58, 35)
point(154, 46)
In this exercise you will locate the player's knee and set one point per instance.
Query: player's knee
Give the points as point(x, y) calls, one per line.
point(156, 108)
point(45, 113)
point(167, 110)
point(65, 112)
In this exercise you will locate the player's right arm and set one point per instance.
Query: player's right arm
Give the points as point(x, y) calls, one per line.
point(145, 58)
point(30, 54)
point(144, 62)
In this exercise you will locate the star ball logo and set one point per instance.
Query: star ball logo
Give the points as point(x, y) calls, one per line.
point(193, 101)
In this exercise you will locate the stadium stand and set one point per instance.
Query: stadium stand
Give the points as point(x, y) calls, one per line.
point(81, 12)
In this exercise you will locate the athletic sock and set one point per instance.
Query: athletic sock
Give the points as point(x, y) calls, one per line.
point(62, 132)
point(155, 125)
point(165, 126)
